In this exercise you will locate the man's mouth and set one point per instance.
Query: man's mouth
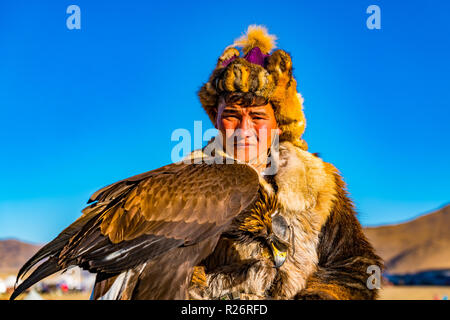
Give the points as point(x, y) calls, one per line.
point(244, 144)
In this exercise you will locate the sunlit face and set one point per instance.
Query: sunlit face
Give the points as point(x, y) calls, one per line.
point(247, 132)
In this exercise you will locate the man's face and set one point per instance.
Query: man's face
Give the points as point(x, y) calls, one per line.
point(247, 132)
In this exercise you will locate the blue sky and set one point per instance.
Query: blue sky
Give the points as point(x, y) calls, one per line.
point(81, 109)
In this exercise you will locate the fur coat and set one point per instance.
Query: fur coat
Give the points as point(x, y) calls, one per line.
point(330, 255)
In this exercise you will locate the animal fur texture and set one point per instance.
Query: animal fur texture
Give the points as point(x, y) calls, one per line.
point(256, 36)
point(329, 256)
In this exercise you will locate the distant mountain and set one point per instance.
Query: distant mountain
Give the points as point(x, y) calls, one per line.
point(418, 245)
point(14, 253)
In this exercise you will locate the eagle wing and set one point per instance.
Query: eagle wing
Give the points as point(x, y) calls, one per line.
point(141, 218)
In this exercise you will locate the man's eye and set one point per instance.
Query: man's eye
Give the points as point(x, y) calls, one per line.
point(230, 116)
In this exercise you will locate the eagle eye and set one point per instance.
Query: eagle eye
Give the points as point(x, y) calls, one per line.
point(280, 227)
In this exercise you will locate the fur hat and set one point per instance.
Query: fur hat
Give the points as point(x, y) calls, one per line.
point(265, 74)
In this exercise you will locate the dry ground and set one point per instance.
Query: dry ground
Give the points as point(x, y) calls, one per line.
point(413, 292)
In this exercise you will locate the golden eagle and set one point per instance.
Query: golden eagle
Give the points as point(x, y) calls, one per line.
point(149, 233)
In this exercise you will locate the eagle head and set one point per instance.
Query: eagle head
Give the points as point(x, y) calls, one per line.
point(265, 223)
point(278, 239)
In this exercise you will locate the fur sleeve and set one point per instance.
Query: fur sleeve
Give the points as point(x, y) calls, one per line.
point(344, 254)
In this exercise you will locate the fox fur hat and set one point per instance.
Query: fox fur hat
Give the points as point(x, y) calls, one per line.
point(266, 74)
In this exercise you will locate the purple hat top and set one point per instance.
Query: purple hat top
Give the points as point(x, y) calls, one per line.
point(255, 56)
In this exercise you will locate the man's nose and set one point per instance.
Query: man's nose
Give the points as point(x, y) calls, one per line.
point(246, 126)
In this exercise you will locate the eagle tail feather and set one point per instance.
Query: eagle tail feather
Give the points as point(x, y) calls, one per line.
point(55, 246)
point(51, 251)
point(44, 270)
point(48, 250)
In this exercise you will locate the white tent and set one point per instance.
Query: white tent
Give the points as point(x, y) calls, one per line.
point(33, 295)
point(10, 282)
point(2, 286)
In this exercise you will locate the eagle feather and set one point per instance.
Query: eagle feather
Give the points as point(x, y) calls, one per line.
point(166, 219)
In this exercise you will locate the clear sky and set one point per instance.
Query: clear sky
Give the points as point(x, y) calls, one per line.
point(80, 109)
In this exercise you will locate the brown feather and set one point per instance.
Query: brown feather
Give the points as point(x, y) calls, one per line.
point(173, 213)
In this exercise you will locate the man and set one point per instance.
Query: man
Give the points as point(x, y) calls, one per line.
point(253, 102)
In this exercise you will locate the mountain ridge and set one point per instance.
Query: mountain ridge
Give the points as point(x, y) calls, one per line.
point(417, 245)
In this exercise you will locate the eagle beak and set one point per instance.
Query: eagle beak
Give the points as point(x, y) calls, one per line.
point(279, 256)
